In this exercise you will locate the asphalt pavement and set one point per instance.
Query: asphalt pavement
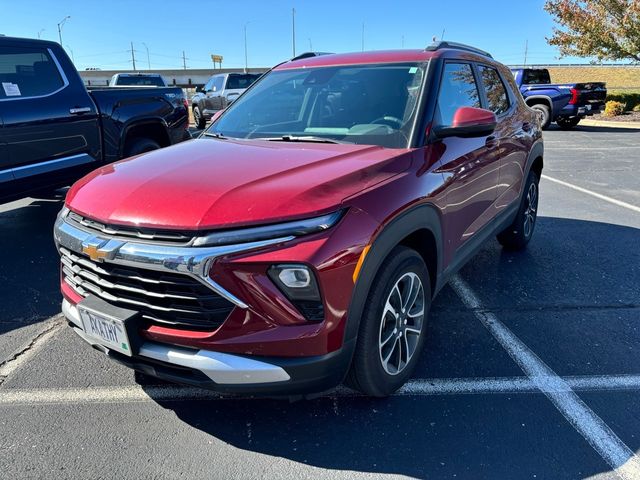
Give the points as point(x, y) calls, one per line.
point(531, 368)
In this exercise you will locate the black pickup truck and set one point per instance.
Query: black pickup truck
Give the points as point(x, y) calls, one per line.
point(53, 131)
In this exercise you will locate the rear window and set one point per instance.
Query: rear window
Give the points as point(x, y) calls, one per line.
point(235, 82)
point(536, 77)
point(495, 90)
point(141, 80)
point(27, 72)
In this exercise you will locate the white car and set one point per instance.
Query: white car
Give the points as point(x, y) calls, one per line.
point(137, 80)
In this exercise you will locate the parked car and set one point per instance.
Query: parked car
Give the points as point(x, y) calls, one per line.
point(566, 104)
point(53, 131)
point(137, 80)
point(301, 239)
point(219, 91)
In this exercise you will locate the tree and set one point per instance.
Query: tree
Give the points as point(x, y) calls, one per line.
point(605, 29)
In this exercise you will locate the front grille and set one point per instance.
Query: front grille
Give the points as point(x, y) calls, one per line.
point(167, 236)
point(162, 298)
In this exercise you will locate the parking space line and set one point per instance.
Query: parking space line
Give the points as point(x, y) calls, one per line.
point(416, 387)
point(594, 430)
point(593, 194)
point(23, 356)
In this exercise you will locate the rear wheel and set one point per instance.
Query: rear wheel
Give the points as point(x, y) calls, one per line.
point(198, 119)
point(140, 145)
point(545, 114)
point(518, 234)
point(392, 329)
point(567, 123)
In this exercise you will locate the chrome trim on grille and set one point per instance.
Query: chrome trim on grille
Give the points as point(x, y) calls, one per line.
point(191, 261)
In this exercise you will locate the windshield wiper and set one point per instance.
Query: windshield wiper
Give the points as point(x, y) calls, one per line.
point(214, 135)
point(304, 138)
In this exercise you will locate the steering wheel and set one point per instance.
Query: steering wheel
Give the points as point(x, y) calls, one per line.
point(387, 120)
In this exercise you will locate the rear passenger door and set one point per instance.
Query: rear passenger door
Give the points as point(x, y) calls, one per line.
point(49, 121)
point(469, 166)
point(510, 134)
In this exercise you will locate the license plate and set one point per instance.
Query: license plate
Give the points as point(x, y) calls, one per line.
point(106, 331)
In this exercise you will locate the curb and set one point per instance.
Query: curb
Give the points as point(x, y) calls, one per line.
point(604, 123)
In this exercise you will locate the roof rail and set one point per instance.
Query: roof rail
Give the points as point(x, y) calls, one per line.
point(308, 55)
point(457, 46)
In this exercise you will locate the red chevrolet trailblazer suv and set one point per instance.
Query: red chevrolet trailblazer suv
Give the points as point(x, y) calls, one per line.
point(300, 240)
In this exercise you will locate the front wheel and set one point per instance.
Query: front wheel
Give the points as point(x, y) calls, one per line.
point(140, 145)
point(567, 123)
point(545, 114)
point(392, 329)
point(517, 235)
point(198, 119)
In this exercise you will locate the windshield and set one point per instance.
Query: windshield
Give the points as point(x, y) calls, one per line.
point(364, 104)
point(151, 80)
point(236, 81)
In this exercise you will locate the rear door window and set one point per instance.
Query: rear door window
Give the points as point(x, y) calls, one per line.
point(457, 89)
point(495, 90)
point(28, 72)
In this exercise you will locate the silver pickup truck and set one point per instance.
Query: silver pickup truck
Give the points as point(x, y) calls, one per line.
point(219, 91)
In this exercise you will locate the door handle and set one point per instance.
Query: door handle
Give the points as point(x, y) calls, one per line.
point(79, 110)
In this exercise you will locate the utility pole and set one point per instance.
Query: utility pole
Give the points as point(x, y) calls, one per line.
point(293, 29)
point(184, 61)
point(363, 36)
point(526, 51)
point(60, 25)
point(148, 59)
point(402, 41)
point(133, 57)
point(40, 32)
point(442, 36)
point(246, 61)
point(310, 46)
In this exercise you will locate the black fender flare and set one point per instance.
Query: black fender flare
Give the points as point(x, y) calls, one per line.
point(137, 123)
point(537, 151)
point(425, 216)
point(546, 98)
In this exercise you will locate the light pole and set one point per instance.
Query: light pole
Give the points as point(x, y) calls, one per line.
point(73, 59)
point(148, 58)
point(60, 25)
point(40, 32)
point(293, 30)
point(246, 62)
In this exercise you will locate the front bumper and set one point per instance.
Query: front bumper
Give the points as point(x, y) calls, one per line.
point(226, 373)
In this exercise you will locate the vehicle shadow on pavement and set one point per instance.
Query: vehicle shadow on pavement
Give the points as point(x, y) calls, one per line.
point(30, 264)
point(461, 436)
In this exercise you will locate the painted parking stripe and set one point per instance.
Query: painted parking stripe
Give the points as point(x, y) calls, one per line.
point(416, 387)
point(593, 194)
point(597, 433)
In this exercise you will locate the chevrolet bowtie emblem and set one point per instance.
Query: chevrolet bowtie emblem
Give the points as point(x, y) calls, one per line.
point(94, 252)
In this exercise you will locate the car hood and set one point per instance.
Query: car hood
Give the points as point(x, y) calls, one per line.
point(212, 183)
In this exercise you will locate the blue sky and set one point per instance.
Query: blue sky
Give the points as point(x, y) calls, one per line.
point(99, 33)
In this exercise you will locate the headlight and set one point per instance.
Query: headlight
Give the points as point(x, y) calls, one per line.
point(296, 228)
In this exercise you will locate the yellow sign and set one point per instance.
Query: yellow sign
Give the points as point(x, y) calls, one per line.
point(216, 58)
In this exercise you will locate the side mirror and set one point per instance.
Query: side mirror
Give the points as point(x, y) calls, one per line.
point(200, 89)
point(215, 116)
point(469, 122)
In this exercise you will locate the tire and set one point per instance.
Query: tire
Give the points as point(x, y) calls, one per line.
point(140, 145)
point(545, 114)
point(567, 123)
point(519, 233)
point(198, 119)
point(369, 373)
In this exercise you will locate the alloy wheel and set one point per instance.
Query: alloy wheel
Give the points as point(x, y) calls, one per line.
point(530, 212)
point(401, 323)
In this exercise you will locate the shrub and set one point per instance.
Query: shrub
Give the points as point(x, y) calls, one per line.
point(613, 109)
point(629, 99)
point(636, 108)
